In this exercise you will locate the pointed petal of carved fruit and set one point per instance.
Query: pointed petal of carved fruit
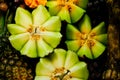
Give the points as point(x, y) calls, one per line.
point(18, 41)
point(29, 49)
point(52, 38)
point(58, 58)
point(44, 67)
point(99, 29)
point(64, 14)
point(53, 7)
point(85, 25)
point(79, 70)
point(73, 45)
point(43, 48)
point(101, 38)
point(15, 29)
point(82, 3)
point(97, 49)
point(53, 24)
point(85, 51)
point(23, 17)
point(40, 15)
point(71, 59)
point(72, 32)
point(75, 13)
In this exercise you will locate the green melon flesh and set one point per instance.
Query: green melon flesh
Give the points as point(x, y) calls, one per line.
point(101, 38)
point(44, 67)
point(76, 13)
point(42, 78)
point(84, 40)
point(35, 34)
point(71, 59)
point(16, 29)
point(58, 58)
point(85, 25)
point(60, 65)
point(85, 51)
point(23, 17)
point(73, 45)
point(43, 48)
point(18, 41)
point(68, 10)
point(79, 70)
point(53, 24)
point(54, 8)
point(40, 15)
point(29, 49)
point(72, 32)
point(97, 49)
point(64, 14)
point(52, 38)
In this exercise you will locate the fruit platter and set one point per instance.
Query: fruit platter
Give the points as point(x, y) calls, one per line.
point(59, 40)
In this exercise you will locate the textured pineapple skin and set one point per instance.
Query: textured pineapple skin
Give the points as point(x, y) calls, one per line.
point(13, 66)
point(112, 71)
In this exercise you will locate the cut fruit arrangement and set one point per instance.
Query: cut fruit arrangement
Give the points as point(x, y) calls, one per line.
point(38, 33)
point(37, 29)
point(86, 41)
point(61, 65)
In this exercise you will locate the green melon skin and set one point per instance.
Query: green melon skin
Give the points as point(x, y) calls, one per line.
point(35, 34)
point(61, 65)
point(85, 40)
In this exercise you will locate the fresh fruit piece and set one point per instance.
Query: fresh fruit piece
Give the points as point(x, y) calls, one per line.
point(50, 25)
point(16, 29)
point(40, 16)
point(79, 70)
point(43, 48)
point(101, 38)
point(36, 34)
point(97, 49)
point(71, 43)
point(72, 32)
point(61, 65)
point(52, 38)
point(64, 14)
point(54, 7)
point(69, 10)
point(35, 3)
point(85, 25)
point(19, 40)
point(58, 60)
point(85, 50)
point(86, 41)
point(82, 3)
point(75, 13)
point(42, 78)
point(99, 29)
point(23, 18)
point(29, 49)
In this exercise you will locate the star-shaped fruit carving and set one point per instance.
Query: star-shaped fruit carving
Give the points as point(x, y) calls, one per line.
point(61, 65)
point(86, 41)
point(68, 10)
point(35, 34)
